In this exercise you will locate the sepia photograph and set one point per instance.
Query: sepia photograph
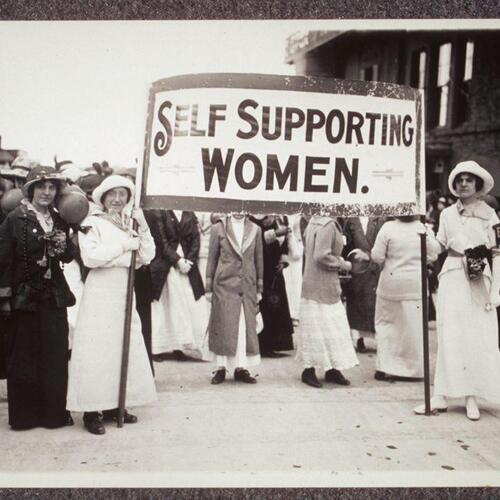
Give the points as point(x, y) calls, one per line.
point(259, 253)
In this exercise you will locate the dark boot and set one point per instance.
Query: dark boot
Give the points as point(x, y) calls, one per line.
point(93, 422)
point(219, 377)
point(112, 416)
point(360, 346)
point(336, 377)
point(309, 378)
point(243, 375)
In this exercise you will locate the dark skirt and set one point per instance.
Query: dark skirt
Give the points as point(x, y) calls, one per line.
point(143, 298)
point(37, 368)
point(278, 327)
point(360, 294)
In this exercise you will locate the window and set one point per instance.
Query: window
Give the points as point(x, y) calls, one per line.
point(418, 69)
point(469, 56)
point(443, 81)
point(464, 89)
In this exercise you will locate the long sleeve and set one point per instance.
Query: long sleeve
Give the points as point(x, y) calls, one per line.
point(95, 253)
point(171, 256)
point(7, 245)
point(147, 248)
point(433, 247)
point(193, 240)
point(379, 250)
point(322, 253)
point(495, 271)
point(213, 257)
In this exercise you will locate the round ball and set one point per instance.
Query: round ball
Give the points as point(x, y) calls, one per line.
point(11, 199)
point(73, 207)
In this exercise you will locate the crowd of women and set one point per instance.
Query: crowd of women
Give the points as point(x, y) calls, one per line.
point(230, 289)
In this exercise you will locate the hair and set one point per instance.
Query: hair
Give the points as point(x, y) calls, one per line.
point(479, 181)
point(32, 187)
point(129, 195)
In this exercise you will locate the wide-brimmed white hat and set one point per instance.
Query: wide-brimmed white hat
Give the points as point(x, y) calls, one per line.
point(111, 182)
point(471, 167)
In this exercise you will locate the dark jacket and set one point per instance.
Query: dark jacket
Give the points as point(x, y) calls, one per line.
point(168, 234)
point(23, 281)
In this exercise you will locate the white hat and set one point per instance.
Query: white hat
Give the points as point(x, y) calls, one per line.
point(471, 167)
point(112, 182)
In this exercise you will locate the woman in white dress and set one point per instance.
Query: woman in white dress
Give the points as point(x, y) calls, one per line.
point(94, 375)
point(398, 310)
point(468, 359)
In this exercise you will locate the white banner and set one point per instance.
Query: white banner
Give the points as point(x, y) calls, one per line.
point(284, 144)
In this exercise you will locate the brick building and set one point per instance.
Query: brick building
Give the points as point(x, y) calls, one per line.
point(458, 70)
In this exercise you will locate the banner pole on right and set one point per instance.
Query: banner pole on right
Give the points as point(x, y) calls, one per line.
point(425, 320)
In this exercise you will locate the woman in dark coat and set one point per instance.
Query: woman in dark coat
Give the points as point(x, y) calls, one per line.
point(179, 314)
point(360, 290)
point(33, 242)
point(278, 327)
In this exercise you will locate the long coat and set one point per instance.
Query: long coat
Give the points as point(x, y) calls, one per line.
point(37, 362)
point(278, 328)
point(360, 290)
point(235, 275)
point(169, 233)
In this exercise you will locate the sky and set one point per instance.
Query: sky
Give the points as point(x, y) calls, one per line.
point(79, 89)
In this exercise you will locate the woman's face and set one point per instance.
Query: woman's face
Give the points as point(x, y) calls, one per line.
point(115, 199)
point(465, 185)
point(44, 193)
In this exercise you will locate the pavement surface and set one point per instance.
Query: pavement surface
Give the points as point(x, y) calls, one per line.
point(277, 432)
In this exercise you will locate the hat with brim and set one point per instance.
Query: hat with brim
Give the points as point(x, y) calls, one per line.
point(17, 172)
point(471, 167)
point(39, 174)
point(112, 182)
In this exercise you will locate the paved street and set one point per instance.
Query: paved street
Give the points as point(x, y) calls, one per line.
point(278, 426)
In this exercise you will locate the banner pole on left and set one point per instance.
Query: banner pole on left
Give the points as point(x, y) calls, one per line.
point(126, 336)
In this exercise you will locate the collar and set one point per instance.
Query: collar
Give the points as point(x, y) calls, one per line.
point(478, 209)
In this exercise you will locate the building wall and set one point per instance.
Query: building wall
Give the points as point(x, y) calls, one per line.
point(478, 137)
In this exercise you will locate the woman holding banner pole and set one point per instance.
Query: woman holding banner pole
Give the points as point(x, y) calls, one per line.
point(468, 360)
point(94, 376)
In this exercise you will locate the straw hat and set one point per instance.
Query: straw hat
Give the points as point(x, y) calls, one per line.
point(471, 167)
point(111, 182)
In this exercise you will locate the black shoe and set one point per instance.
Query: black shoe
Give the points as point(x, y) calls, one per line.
point(383, 377)
point(93, 423)
point(309, 378)
point(243, 375)
point(219, 377)
point(180, 356)
point(336, 377)
point(360, 346)
point(70, 421)
point(112, 416)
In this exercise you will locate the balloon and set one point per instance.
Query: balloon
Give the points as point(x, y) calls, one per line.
point(11, 199)
point(73, 207)
point(71, 188)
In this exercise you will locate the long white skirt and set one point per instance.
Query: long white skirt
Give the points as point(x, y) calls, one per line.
point(241, 359)
point(74, 279)
point(468, 359)
point(293, 281)
point(324, 339)
point(179, 322)
point(398, 325)
point(95, 367)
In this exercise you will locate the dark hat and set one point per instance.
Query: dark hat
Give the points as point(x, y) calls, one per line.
point(41, 173)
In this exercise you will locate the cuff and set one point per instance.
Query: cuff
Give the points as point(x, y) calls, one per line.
point(208, 285)
point(260, 286)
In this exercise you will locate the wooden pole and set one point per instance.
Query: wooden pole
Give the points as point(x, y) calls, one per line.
point(126, 336)
point(425, 320)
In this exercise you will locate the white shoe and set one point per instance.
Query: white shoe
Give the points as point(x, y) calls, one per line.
point(471, 408)
point(438, 403)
